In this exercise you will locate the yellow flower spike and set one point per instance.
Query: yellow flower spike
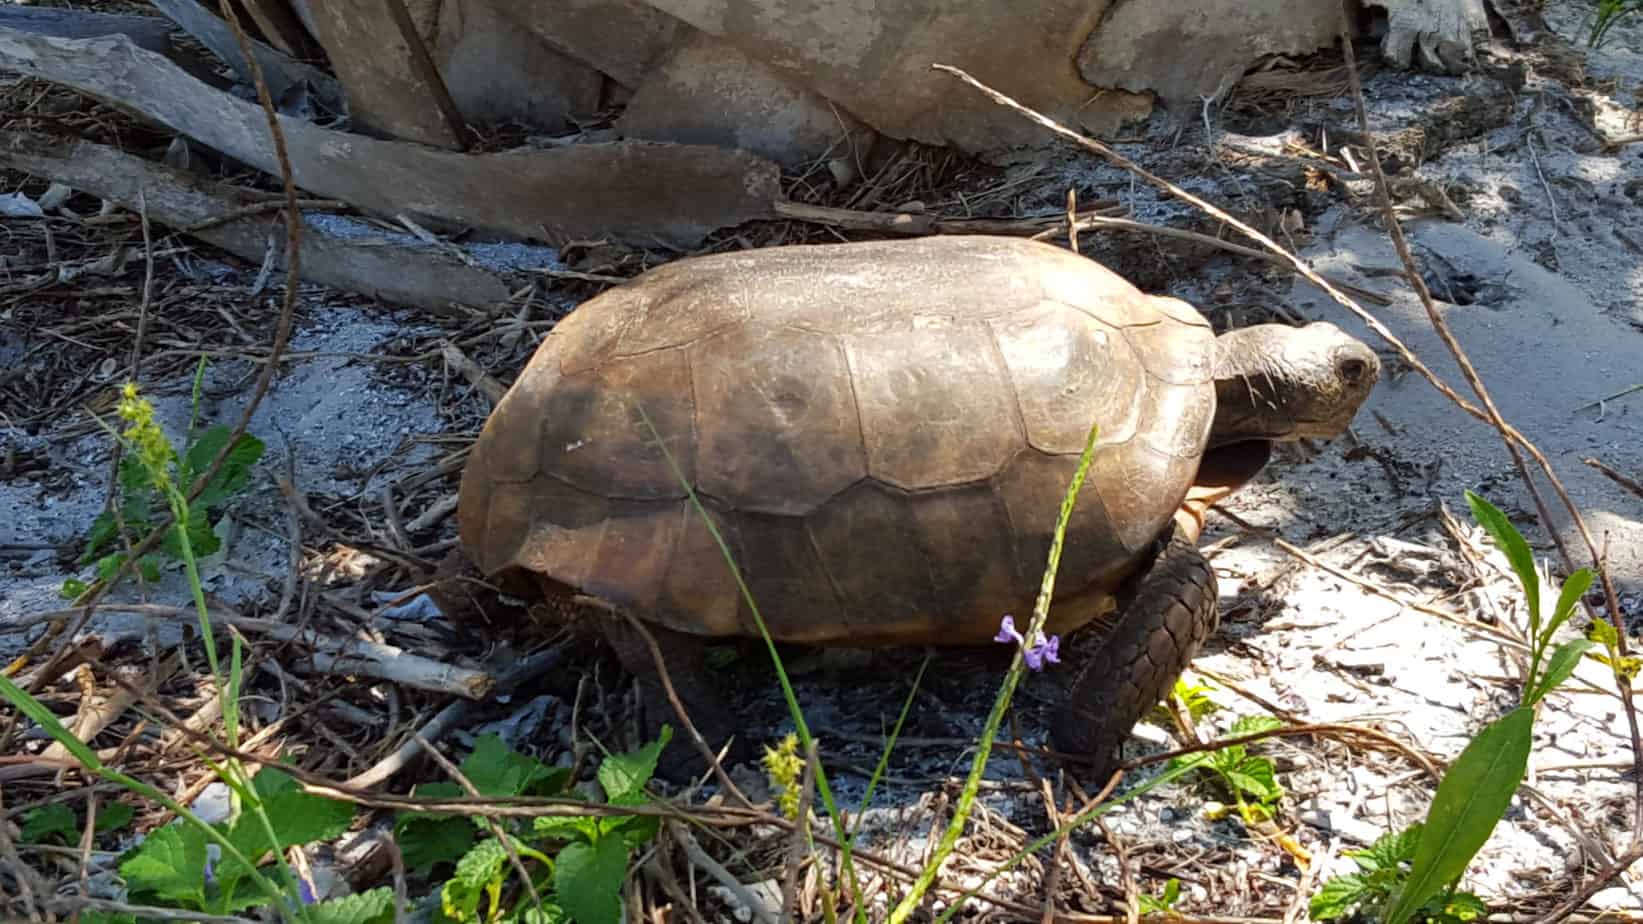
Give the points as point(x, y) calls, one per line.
point(148, 441)
point(783, 765)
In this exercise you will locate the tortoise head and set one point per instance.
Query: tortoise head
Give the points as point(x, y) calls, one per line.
point(1276, 383)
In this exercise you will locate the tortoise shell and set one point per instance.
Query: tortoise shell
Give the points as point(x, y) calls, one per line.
point(882, 432)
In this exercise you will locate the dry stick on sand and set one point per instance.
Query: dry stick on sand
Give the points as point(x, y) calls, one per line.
point(1630, 484)
point(1513, 438)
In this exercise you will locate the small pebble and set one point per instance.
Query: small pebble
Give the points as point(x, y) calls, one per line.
point(1616, 898)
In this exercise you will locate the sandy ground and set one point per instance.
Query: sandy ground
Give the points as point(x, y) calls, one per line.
point(1542, 281)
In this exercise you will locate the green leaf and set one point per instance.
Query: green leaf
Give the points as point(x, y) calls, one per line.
point(1515, 549)
point(547, 913)
point(72, 589)
point(46, 821)
point(103, 531)
point(1573, 589)
point(1337, 896)
point(149, 567)
point(1257, 777)
point(498, 771)
point(565, 828)
point(1474, 795)
point(169, 866)
point(113, 816)
point(1464, 906)
point(373, 907)
point(297, 818)
point(623, 776)
point(1227, 759)
point(109, 565)
point(202, 538)
point(1253, 725)
point(1163, 903)
point(1389, 850)
point(235, 473)
point(636, 830)
point(474, 875)
point(1562, 663)
point(427, 839)
point(428, 842)
point(202, 451)
point(589, 880)
point(105, 917)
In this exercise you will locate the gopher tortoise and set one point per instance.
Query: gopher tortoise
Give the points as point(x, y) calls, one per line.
point(883, 433)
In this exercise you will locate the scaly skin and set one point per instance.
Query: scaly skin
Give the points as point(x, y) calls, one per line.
point(1159, 627)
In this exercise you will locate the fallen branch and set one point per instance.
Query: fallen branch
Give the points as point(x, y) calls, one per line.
point(280, 70)
point(639, 191)
point(330, 655)
point(96, 716)
point(230, 218)
point(487, 384)
point(450, 717)
point(150, 33)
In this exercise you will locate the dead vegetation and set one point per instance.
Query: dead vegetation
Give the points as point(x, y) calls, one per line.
point(352, 681)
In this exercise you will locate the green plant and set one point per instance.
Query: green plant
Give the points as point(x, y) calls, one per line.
point(175, 868)
point(1163, 903)
point(1193, 699)
point(784, 767)
point(1250, 780)
point(576, 864)
point(1383, 868)
point(172, 866)
point(1610, 12)
point(56, 822)
point(1414, 870)
point(142, 500)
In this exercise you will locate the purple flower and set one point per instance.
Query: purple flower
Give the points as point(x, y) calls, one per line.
point(1047, 650)
point(1006, 630)
point(1040, 651)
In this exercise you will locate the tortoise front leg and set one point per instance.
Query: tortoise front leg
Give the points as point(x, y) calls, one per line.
point(703, 700)
point(1164, 615)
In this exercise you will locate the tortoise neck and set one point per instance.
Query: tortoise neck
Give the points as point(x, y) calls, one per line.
point(1247, 402)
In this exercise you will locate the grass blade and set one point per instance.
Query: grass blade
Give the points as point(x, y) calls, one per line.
point(823, 788)
point(890, 745)
point(1471, 800)
point(1041, 611)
